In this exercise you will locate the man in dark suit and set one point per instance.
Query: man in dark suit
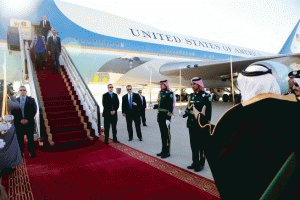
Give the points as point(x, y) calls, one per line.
point(110, 102)
point(143, 109)
point(26, 124)
point(45, 27)
point(131, 104)
point(54, 49)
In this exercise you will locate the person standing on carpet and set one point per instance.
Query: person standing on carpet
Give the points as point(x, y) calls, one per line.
point(143, 109)
point(201, 101)
point(26, 124)
point(131, 104)
point(110, 102)
point(54, 49)
point(165, 108)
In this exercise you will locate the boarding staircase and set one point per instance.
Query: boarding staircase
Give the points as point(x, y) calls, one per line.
point(68, 114)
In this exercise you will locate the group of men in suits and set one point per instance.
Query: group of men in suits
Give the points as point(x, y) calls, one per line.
point(133, 108)
point(53, 42)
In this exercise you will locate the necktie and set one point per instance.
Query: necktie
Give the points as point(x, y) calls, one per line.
point(142, 99)
point(130, 101)
point(22, 104)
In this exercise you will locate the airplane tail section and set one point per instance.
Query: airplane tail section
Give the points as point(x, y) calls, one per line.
point(292, 44)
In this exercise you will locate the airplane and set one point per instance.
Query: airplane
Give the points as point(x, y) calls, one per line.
point(110, 49)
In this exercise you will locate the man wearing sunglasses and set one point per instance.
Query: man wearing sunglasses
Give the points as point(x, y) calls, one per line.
point(110, 102)
point(26, 124)
point(131, 105)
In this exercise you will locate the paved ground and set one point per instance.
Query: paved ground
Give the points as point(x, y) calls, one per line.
point(181, 155)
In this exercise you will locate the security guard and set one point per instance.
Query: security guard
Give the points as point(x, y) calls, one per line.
point(202, 102)
point(165, 108)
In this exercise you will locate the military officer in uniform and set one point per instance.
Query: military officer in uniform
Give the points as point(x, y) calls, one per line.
point(294, 83)
point(202, 102)
point(165, 108)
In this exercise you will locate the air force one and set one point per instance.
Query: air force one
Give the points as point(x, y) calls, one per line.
point(110, 49)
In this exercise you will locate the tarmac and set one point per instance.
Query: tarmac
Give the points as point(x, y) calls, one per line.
point(181, 154)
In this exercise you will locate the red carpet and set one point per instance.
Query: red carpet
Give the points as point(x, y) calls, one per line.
point(63, 119)
point(104, 172)
point(78, 168)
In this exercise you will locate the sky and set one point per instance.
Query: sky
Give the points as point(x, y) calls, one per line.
point(262, 25)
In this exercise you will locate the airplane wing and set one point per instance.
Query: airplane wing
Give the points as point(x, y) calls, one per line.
point(217, 70)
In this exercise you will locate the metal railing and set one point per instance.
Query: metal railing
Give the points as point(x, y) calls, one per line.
point(85, 96)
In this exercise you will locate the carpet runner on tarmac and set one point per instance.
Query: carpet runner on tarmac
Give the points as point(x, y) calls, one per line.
point(100, 171)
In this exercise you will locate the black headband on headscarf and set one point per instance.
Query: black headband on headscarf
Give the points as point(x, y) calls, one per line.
point(257, 73)
point(295, 74)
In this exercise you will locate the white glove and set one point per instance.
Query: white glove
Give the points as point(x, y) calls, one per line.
point(168, 122)
point(2, 143)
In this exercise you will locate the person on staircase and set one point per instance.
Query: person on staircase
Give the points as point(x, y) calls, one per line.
point(26, 124)
point(45, 27)
point(110, 102)
point(54, 49)
point(39, 46)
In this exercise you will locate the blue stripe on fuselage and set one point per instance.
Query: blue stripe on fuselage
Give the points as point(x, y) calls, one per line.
point(69, 31)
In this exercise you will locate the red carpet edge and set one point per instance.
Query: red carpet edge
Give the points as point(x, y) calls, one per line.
point(195, 180)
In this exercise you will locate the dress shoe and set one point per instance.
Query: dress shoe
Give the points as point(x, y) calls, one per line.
point(144, 124)
point(198, 169)
point(141, 139)
point(166, 155)
point(191, 166)
point(32, 155)
point(130, 140)
point(116, 141)
point(160, 154)
point(105, 142)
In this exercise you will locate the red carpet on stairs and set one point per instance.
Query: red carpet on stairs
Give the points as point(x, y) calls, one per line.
point(59, 108)
point(102, 171)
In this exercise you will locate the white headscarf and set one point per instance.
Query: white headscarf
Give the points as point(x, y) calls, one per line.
point(251, 86)
point(297, 80)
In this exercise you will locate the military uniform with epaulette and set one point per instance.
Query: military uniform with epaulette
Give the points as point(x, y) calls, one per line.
point(198, 101)
point(165, 108)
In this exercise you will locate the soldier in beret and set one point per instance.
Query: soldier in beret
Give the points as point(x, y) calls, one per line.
point(202, 102)
point(165, 106)
point(294, 82)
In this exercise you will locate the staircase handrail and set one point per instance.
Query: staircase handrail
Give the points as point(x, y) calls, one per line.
point(34, 91)
point(85, 96)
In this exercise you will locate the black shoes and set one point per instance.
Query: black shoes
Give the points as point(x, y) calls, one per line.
point(198, 169)
point(191, 166)
point(141, 139)
point(130, 140)
point(166, 155)
point(144, 124)
point(116, 141)
point(32, 155)
point(105, 142)
point(159, 154)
